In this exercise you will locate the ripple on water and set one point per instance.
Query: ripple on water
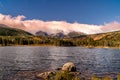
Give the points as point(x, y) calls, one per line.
point(88, 60)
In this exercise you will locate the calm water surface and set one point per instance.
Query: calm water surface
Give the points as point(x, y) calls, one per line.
point(87, 60)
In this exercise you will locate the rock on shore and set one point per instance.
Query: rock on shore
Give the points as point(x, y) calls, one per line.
point(67, 67)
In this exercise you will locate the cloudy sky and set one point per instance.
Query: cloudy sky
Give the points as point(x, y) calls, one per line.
point(88, 16)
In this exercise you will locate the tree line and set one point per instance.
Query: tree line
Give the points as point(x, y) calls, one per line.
point(36, 40)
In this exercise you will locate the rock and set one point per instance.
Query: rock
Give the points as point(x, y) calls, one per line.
point(45, 75)
point(69, 66)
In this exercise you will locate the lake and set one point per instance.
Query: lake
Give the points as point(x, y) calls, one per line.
point(36, 58)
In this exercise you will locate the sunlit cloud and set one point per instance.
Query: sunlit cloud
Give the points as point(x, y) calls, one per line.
point(35, 25)
point(113, 26)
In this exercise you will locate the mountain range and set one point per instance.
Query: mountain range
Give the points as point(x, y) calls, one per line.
point(8, 31)
point(59, 34)
point(111, 39)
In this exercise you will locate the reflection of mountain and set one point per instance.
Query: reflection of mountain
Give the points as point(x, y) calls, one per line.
point(7, 31)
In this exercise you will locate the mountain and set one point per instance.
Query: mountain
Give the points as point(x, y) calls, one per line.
point(60, 34)
point(7, 31)
point(75, 34)
point(41, 33)
point(2, 25)
point(57, 35)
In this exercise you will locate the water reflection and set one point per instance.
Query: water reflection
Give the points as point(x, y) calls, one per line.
point(7, 63)
point(24, 58)
point(88, 61)
point(58, 56)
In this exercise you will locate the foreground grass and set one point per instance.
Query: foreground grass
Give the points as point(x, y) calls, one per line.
point(63, 75)
point(66, 76)
point(60, 75)
point(105, 78)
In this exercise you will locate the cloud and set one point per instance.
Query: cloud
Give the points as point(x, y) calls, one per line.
point(15, 22)
point(35, 25)
point(113, 26)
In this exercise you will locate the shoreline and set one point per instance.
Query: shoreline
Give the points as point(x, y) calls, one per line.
point(32, 74)
point(106, 47)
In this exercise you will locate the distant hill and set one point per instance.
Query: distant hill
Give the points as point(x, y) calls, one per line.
point(99, 36)
point(7, 31)
point(111, 39)
point(107, 36)
point(75, 34)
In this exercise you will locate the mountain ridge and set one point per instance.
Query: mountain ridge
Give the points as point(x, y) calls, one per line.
point(59, 34)
point(8, 31)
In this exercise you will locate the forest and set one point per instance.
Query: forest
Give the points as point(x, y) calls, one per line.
point(88, 41)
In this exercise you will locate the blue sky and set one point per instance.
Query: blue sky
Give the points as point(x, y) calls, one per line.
point(52, 16)
point(82, 11)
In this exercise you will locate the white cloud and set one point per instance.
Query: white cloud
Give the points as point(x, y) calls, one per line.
point(113, 26)
point(55, 26)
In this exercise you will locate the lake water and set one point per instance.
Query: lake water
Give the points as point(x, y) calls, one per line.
point(30, 58)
